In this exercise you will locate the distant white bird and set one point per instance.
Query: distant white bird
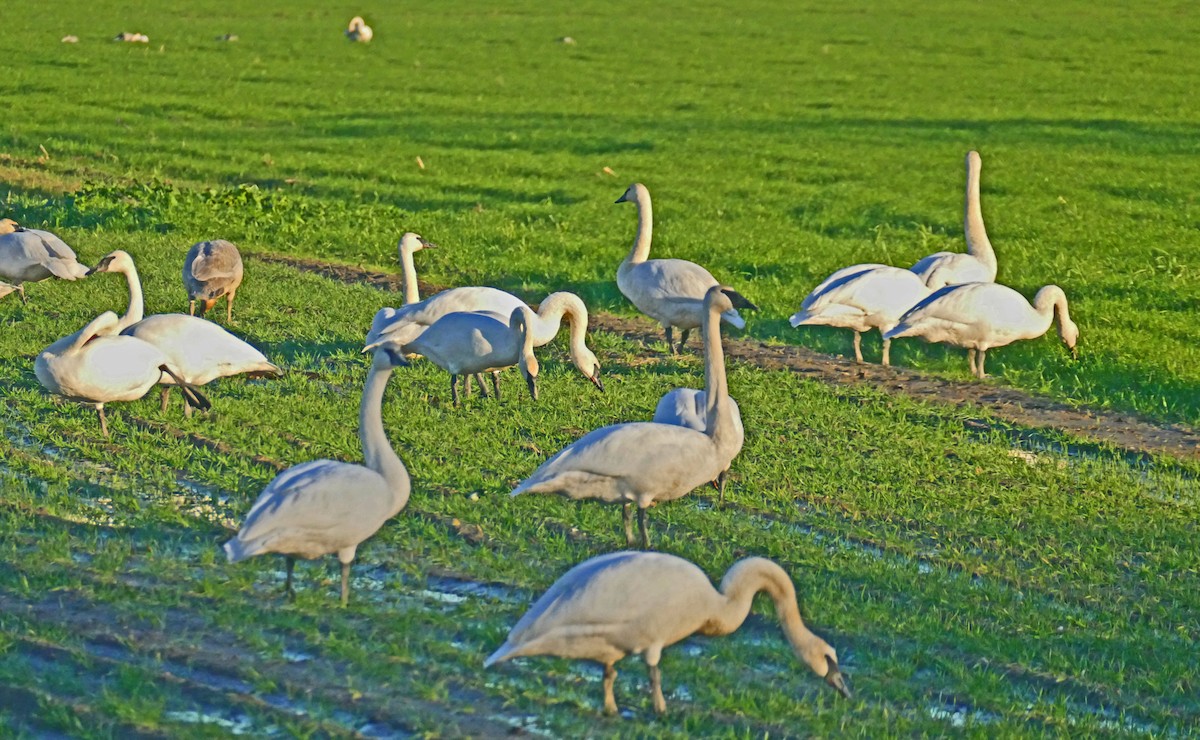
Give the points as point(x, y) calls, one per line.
point(211, 270)
point(687, 407)
point(978, 265)
point(670, 291)
point(358, 30)
point(875, 298)
point(132, 38)
point(627, 603)
point(97, 366)
point(980, 316)
point(198, 350)
point(644, 463)
point(326, 506)
point(30, 255)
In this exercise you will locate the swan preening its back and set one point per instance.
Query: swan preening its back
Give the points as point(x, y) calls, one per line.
point(358, 30)
point(627, 603)
point(978, 264)
point(670, 291)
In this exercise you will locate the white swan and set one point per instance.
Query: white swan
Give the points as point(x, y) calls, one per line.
point(30, 255)
point(670, 291)
point(686, 407)
point(198, 350)
point(978, 265)
point(980, 316)
point(326, 506)
point(399, 326)
point(409, 245)
point(626, 603)
point(644, 463)
point(211, 270)
point(358, 30)
point(96, 365)
point(875, 298)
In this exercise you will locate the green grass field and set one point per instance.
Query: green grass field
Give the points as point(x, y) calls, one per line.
point(975, 578)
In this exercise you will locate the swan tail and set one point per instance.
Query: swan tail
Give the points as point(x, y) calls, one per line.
point(898, 331)
point(502, 654)
point(799, 318)
point(195, 398)
point(66, 269)
point(236, 550)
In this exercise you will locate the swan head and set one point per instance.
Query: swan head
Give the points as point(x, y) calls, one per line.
point(1068, 332)
point(8, 226)
point(589, 365)
point(356, 23)
point(822, 659)
point(411, 242)
point(386, 357)
point(722, 298)
point(633, 193)
point(118, 261)
point(528, 364)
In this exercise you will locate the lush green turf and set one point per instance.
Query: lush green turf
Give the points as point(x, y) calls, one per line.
point(959, 584)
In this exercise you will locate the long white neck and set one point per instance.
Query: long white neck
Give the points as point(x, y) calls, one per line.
point(641, 244)
point(377, 451)
point(137, 307)
point(978, 244)
point(409, 272)
point(1048, 299)
point(548, 320)
point(738, 588)
point(718, 416)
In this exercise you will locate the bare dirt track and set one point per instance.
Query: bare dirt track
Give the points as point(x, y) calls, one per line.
point(1127, 431)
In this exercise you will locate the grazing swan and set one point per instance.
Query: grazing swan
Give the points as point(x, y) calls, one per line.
point(627, 603)
point(198, 350)
point(980, 316)
point(97, 365)
point(670, 291)
point(872, 299)
point(358, 30)
point(30, 255)
point(643, 462)
point(210, 270)
point(978, 265)
point(685, 407)
point(325, 506)
point(470, 343)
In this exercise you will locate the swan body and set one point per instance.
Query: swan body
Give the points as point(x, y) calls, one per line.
point(30, 255)
point(211, 270)
point(670, 291)
point(359, 31)
point(97, 365)
point(326, 506)
point(875, 298)
point(978, 264)
point(400, 326)
point(627, 603)
point(685, 407)
point(980, 316)
point(642, 463)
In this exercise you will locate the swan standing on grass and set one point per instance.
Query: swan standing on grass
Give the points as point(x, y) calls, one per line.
point(980, 316)
point(875, 298)
point(627, 603)
point(358, 30)
point(644, 463)
point(326, 506)
point(199, 351)
point(670, 291)
point(211, 270)
point(686, 407)
point(97, 365)
point(30, 255)
point(978, 265)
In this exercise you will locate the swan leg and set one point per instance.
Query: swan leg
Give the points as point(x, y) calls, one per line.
point(496, 383)
point(21, 292)
point(288, 590)
point(466, 382)
point(670, 338)
point(887, 346)
point(660, 704)
point(683, 337)
point(642, 527)
point(482, 388)
point(627, 513)
point(229, 306)
point(345, 584)
point(982, 355)
point(192, 307)
point(454, 389)
point(971, 361)
point(187, 407)
point(858, 347)
point(166, 398)
point(103, 423)
point(721, 487)
point(610, 678)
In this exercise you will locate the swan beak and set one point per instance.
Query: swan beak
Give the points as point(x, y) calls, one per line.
point(532, 383)
point(1075, 353)
point(428, 244)
point(596, 381)
point(835, 679)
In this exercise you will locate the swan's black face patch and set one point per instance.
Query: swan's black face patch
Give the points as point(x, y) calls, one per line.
point(101, 266)
point(738, 300)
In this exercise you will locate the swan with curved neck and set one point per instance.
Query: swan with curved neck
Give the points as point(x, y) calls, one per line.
point(643, 463)
point(980, 316)
point(978, 265)
point(326, 506)
point(670, 291)
point(636, 602)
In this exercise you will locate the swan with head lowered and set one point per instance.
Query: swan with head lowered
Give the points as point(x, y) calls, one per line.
point(670, 291)
point(98, 365)
point(199, 351)
point(626, 603)
point(873, 298)
point(325, 506)
point(980, 316)
point(643, 463)
point(978, 265)
point(30, 255)
point(211, 270)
